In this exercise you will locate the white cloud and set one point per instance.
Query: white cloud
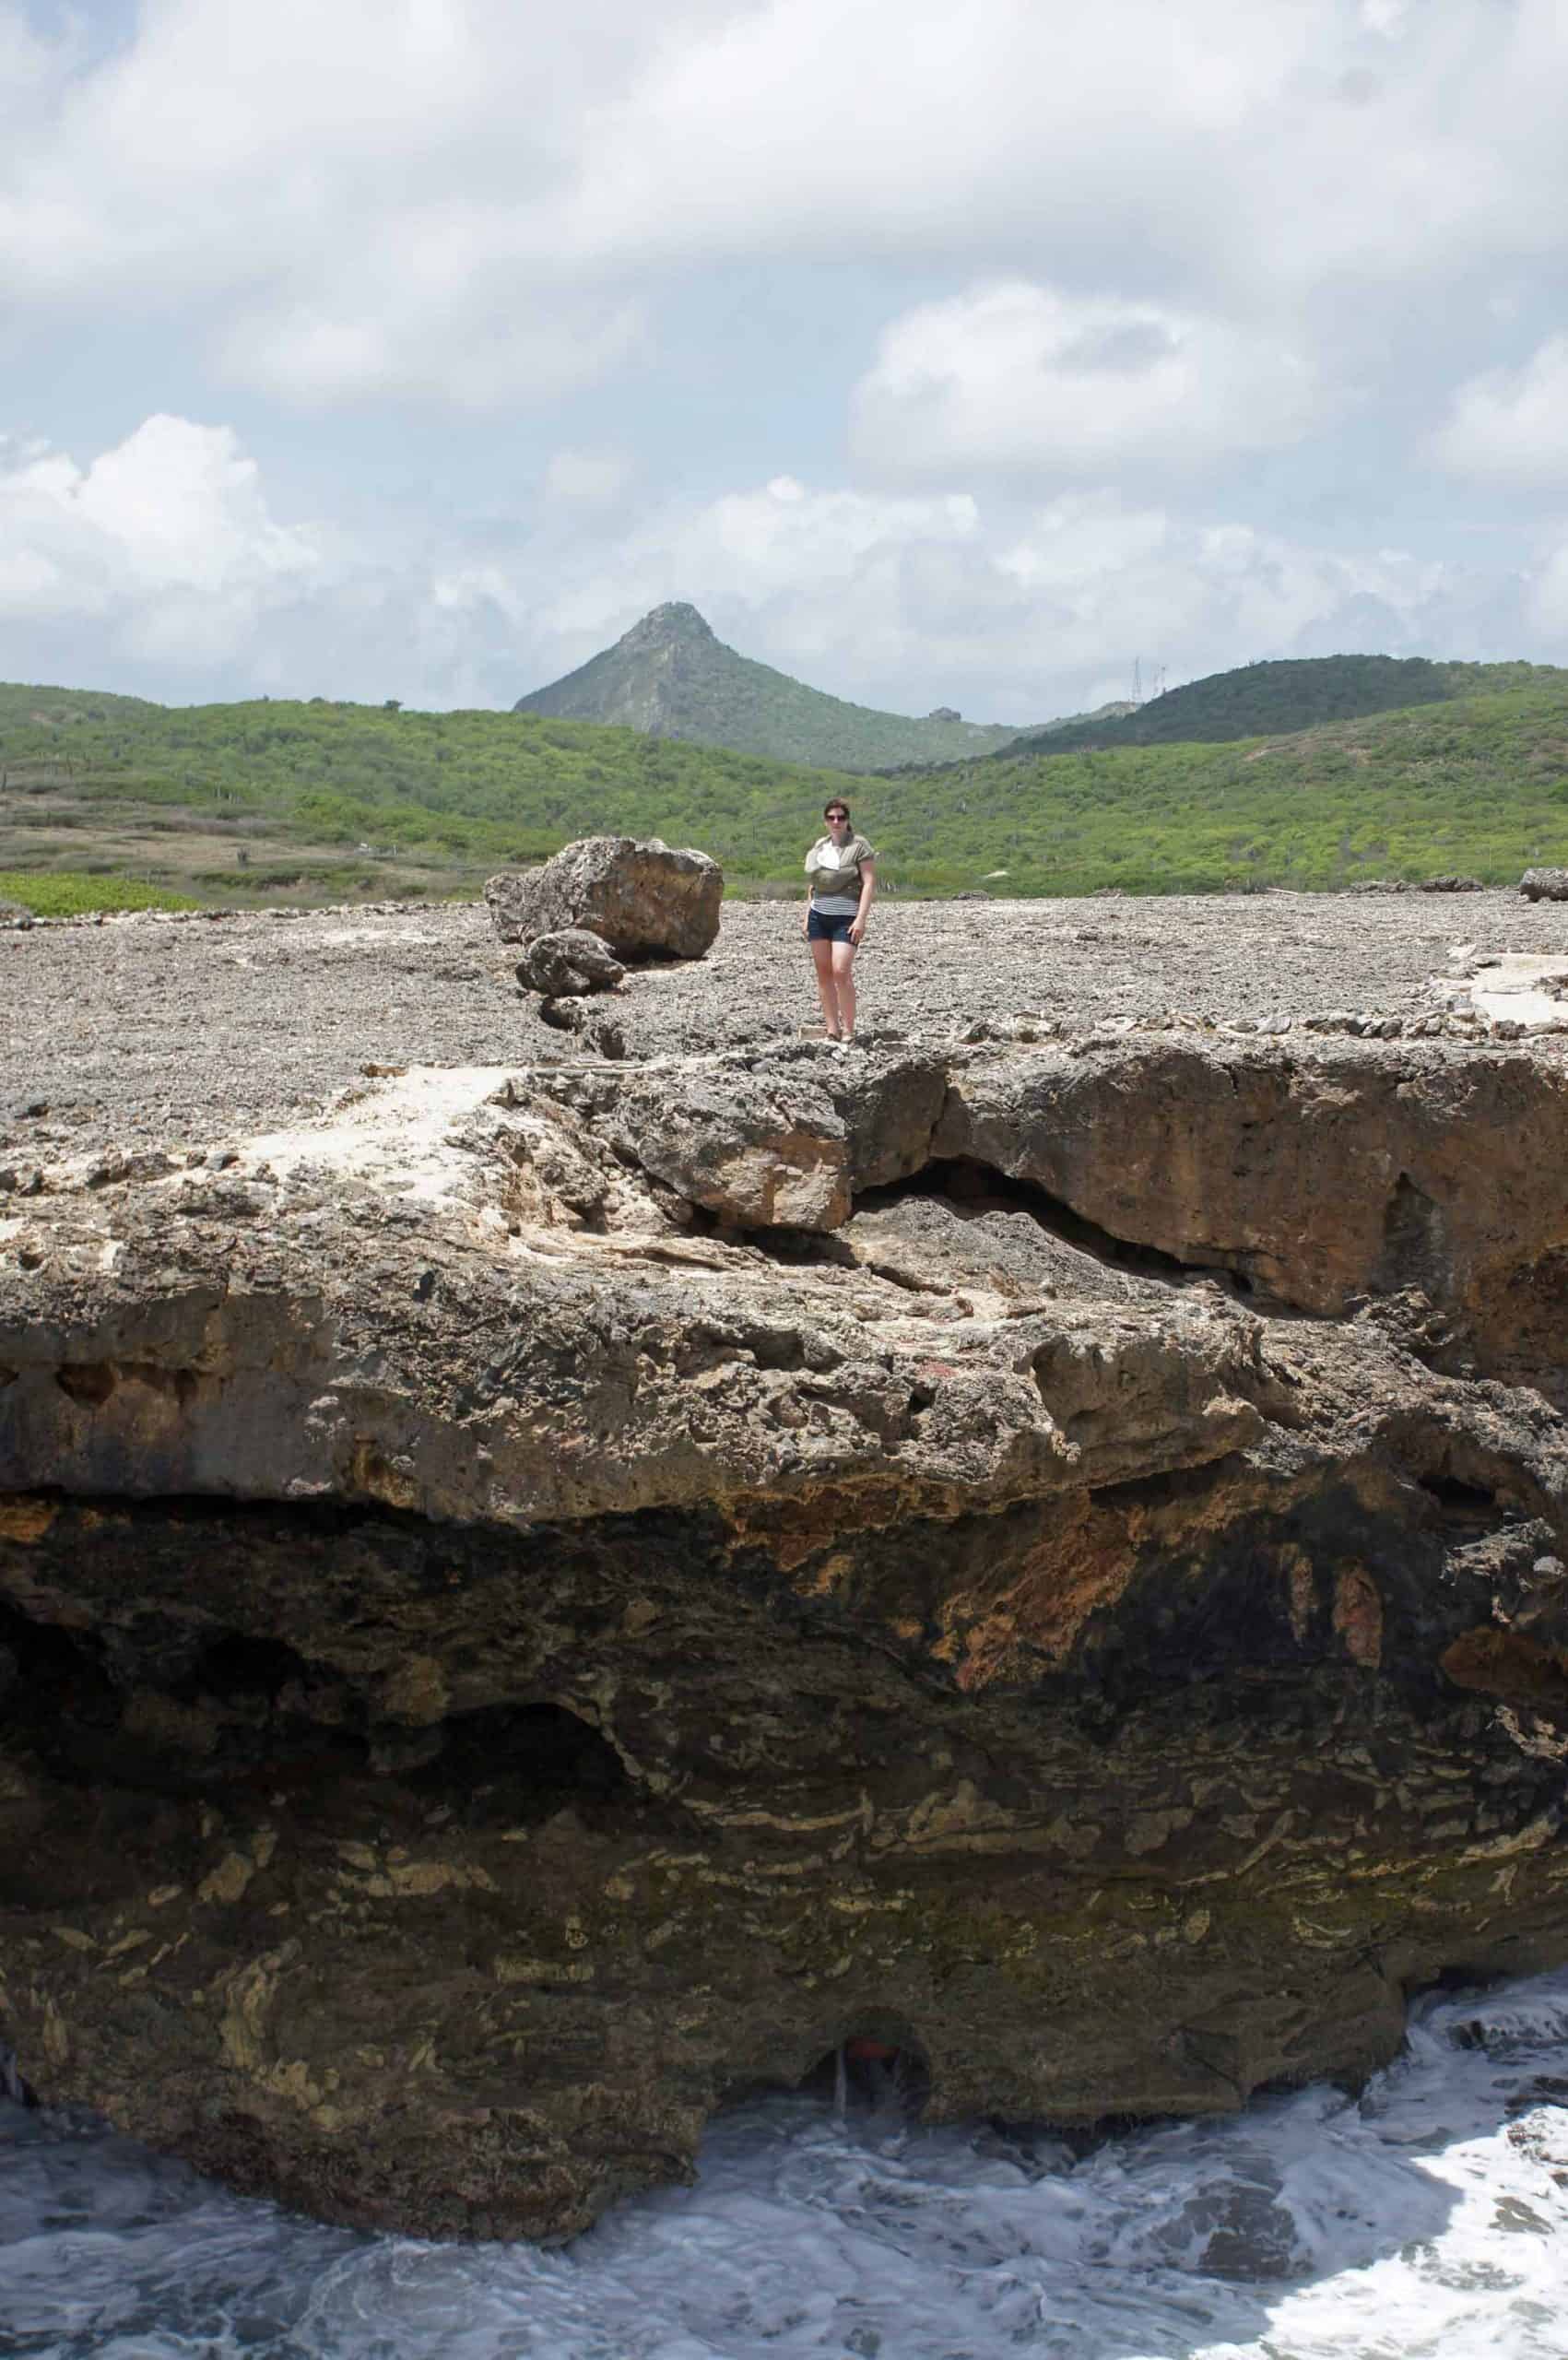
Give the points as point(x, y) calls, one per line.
point(1510, 426)
point(160, 566)
point(909, 601)
point(593, 479)
point(453, 199)
point(436, 348)
point(1547, 598)
point(337, 200)
point(164, 543)
point(1020, 379)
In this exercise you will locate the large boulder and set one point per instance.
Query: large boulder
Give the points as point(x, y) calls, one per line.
point(1544, 884)
point(567, 965)
point(643, 899)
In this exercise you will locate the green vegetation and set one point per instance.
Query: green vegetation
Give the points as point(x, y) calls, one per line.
point(64, 893)
point(670, 678)
point(1476, 785)
point(266, 801)
point(1260, 700)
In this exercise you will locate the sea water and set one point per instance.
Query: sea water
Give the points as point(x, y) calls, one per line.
point(1424, 2219)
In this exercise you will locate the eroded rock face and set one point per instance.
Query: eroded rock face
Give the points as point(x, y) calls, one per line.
point(1544, 885)
point(642, 899)
point(1323, 1181)
point(550, 1597)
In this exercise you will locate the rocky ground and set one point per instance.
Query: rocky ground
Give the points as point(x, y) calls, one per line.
point(274, 1011)
point(538, 1591)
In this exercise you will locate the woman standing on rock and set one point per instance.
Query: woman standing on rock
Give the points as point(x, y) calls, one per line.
point(840, 868)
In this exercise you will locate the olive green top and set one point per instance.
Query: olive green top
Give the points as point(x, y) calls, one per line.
point(835, 874)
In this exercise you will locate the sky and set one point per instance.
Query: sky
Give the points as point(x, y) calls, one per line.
point(962, 352)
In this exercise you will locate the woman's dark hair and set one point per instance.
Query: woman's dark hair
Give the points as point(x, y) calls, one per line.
point(836, 803)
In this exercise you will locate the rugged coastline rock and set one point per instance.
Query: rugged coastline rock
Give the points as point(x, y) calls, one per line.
point(552, 1592)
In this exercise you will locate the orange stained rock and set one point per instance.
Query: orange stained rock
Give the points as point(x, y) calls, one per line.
point(1042, 1600)
point(1501, 1663)
point(1358, 1617)
point(24, 1516)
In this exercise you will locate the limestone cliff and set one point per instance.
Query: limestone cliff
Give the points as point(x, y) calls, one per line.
point(557, 1593)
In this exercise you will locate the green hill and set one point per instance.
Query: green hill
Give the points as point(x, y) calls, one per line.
point(268, 801)
point(670, 678)
point(1477, 784)
point(1260, 700)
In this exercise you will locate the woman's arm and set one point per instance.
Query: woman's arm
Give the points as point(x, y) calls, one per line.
point(867, 893)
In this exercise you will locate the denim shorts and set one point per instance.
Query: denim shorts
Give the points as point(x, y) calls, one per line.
point(820, 928)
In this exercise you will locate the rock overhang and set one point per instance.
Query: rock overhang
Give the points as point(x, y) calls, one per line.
point(967, 1605)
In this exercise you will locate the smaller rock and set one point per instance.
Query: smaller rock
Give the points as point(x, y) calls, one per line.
point(568, 963)
point(1544, 885)
point(599, 1033)
point(13, 915)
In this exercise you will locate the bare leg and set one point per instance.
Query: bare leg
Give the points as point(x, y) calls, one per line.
point(843, 984)
point(827, 987)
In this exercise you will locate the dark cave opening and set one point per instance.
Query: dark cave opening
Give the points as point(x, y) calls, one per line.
point(521, 1763)
point(55, 1692)
point(141, 1708)
point(878, 2071)
point(96, 1712)
point(238, 1664)
point(1460, 1503)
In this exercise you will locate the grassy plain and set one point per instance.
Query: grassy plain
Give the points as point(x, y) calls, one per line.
point(272, 801)
point(70, 893)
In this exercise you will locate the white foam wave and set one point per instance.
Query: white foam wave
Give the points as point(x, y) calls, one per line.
point(1427, 2219)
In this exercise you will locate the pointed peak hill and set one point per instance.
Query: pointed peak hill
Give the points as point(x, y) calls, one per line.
point(669, 677)
point(676, 623)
